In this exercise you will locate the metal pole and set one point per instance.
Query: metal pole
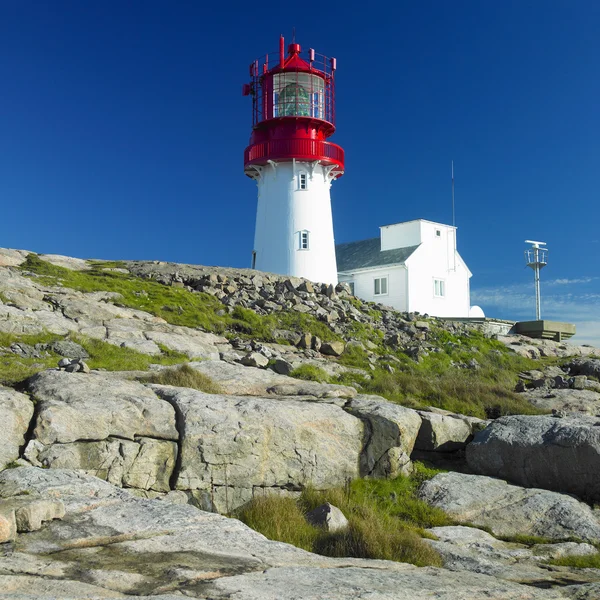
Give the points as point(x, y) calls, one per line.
point(538, 311)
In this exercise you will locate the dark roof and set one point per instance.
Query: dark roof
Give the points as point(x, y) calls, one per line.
point(368, 253)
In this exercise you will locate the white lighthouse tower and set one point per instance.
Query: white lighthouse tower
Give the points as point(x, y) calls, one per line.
point(293, 164)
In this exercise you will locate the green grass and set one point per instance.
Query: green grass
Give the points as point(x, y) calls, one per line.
point(279, 518)
point(310, 373)
point(175, 305)
point(386, 520)
point(250, 324)
point(184, 376)
point(487, 392)
point(531, 540)
point(13, 368)
point(355, 356)
point(591, 561)
point(102, 355)
point(117, 358)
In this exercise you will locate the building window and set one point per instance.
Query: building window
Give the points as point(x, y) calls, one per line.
point(438, 233)
point(439, 288)
point(302, 181)
point(303, 240)
point(254, 259)
point(380, 286)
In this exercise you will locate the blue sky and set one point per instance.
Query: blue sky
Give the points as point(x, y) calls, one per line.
point(123, 129)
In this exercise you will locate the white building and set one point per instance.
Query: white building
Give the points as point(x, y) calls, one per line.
point(412, 266)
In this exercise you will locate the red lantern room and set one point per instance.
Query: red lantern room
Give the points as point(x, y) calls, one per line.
point(293, 110)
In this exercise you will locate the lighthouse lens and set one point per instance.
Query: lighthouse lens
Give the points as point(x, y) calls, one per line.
point(298, 95)
point(294, 101)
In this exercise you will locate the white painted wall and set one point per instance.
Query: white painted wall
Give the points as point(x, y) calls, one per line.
point(436, 259)
point(411, 286)
point(364, 286)
point(400, 235)
point(283, 211)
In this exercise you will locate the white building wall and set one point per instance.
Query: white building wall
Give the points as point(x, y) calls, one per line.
point(284, 211)
point(437, 259)
point(401, 235)
point(364, 285)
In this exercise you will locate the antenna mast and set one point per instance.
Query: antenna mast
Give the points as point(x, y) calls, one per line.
point(453, 219)
point(453, 216)
point(536, 257)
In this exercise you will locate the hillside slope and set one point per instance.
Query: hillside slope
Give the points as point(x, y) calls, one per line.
point(257, 395)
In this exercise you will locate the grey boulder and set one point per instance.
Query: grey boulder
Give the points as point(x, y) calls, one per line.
point(235, 446)
point(16, 411)
point(237, 379)
point(509, 510)
point(75, 407)
point(329, 517)
point(469, 549)
point(561, 454)
point(391, 435)
point(442, 431)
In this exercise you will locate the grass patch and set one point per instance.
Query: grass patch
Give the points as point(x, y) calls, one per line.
point(102, 355)
point(386, 520)
point(310, 373)
point(119, 358)
point(175, 305)
point(591, 561)
point(355, 356)
point(184, 376)
point(485, 392)
point(14, 368)
point(279, 518)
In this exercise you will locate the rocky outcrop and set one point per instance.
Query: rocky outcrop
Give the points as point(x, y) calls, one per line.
point(109, 544)
point(509, 510)
point(566, 390)
point(237, 379)
point(443, 431)
point(561, 454)
point(31, 308)
point(77, 407)
point(589, 367)
point(354, 583)
point(16, 411)
point(391, 432)
point(233, 447)
point(469, 549)
point(114, 429)
point(220, 449)
point(540, 348)
point(12, 258)
point(586, 402)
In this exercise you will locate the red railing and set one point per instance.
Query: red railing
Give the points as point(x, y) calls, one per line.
point(300, 149)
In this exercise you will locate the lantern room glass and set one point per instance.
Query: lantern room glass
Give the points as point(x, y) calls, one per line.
point(298, 95)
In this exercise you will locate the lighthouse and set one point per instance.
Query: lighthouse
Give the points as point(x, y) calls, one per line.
point(293, 164)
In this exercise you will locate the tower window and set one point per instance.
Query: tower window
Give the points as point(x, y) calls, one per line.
point(303, 240)
point(254, 259)
point(439, 288)
point(438, 233)
point(380, 286)
point(302, 181)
